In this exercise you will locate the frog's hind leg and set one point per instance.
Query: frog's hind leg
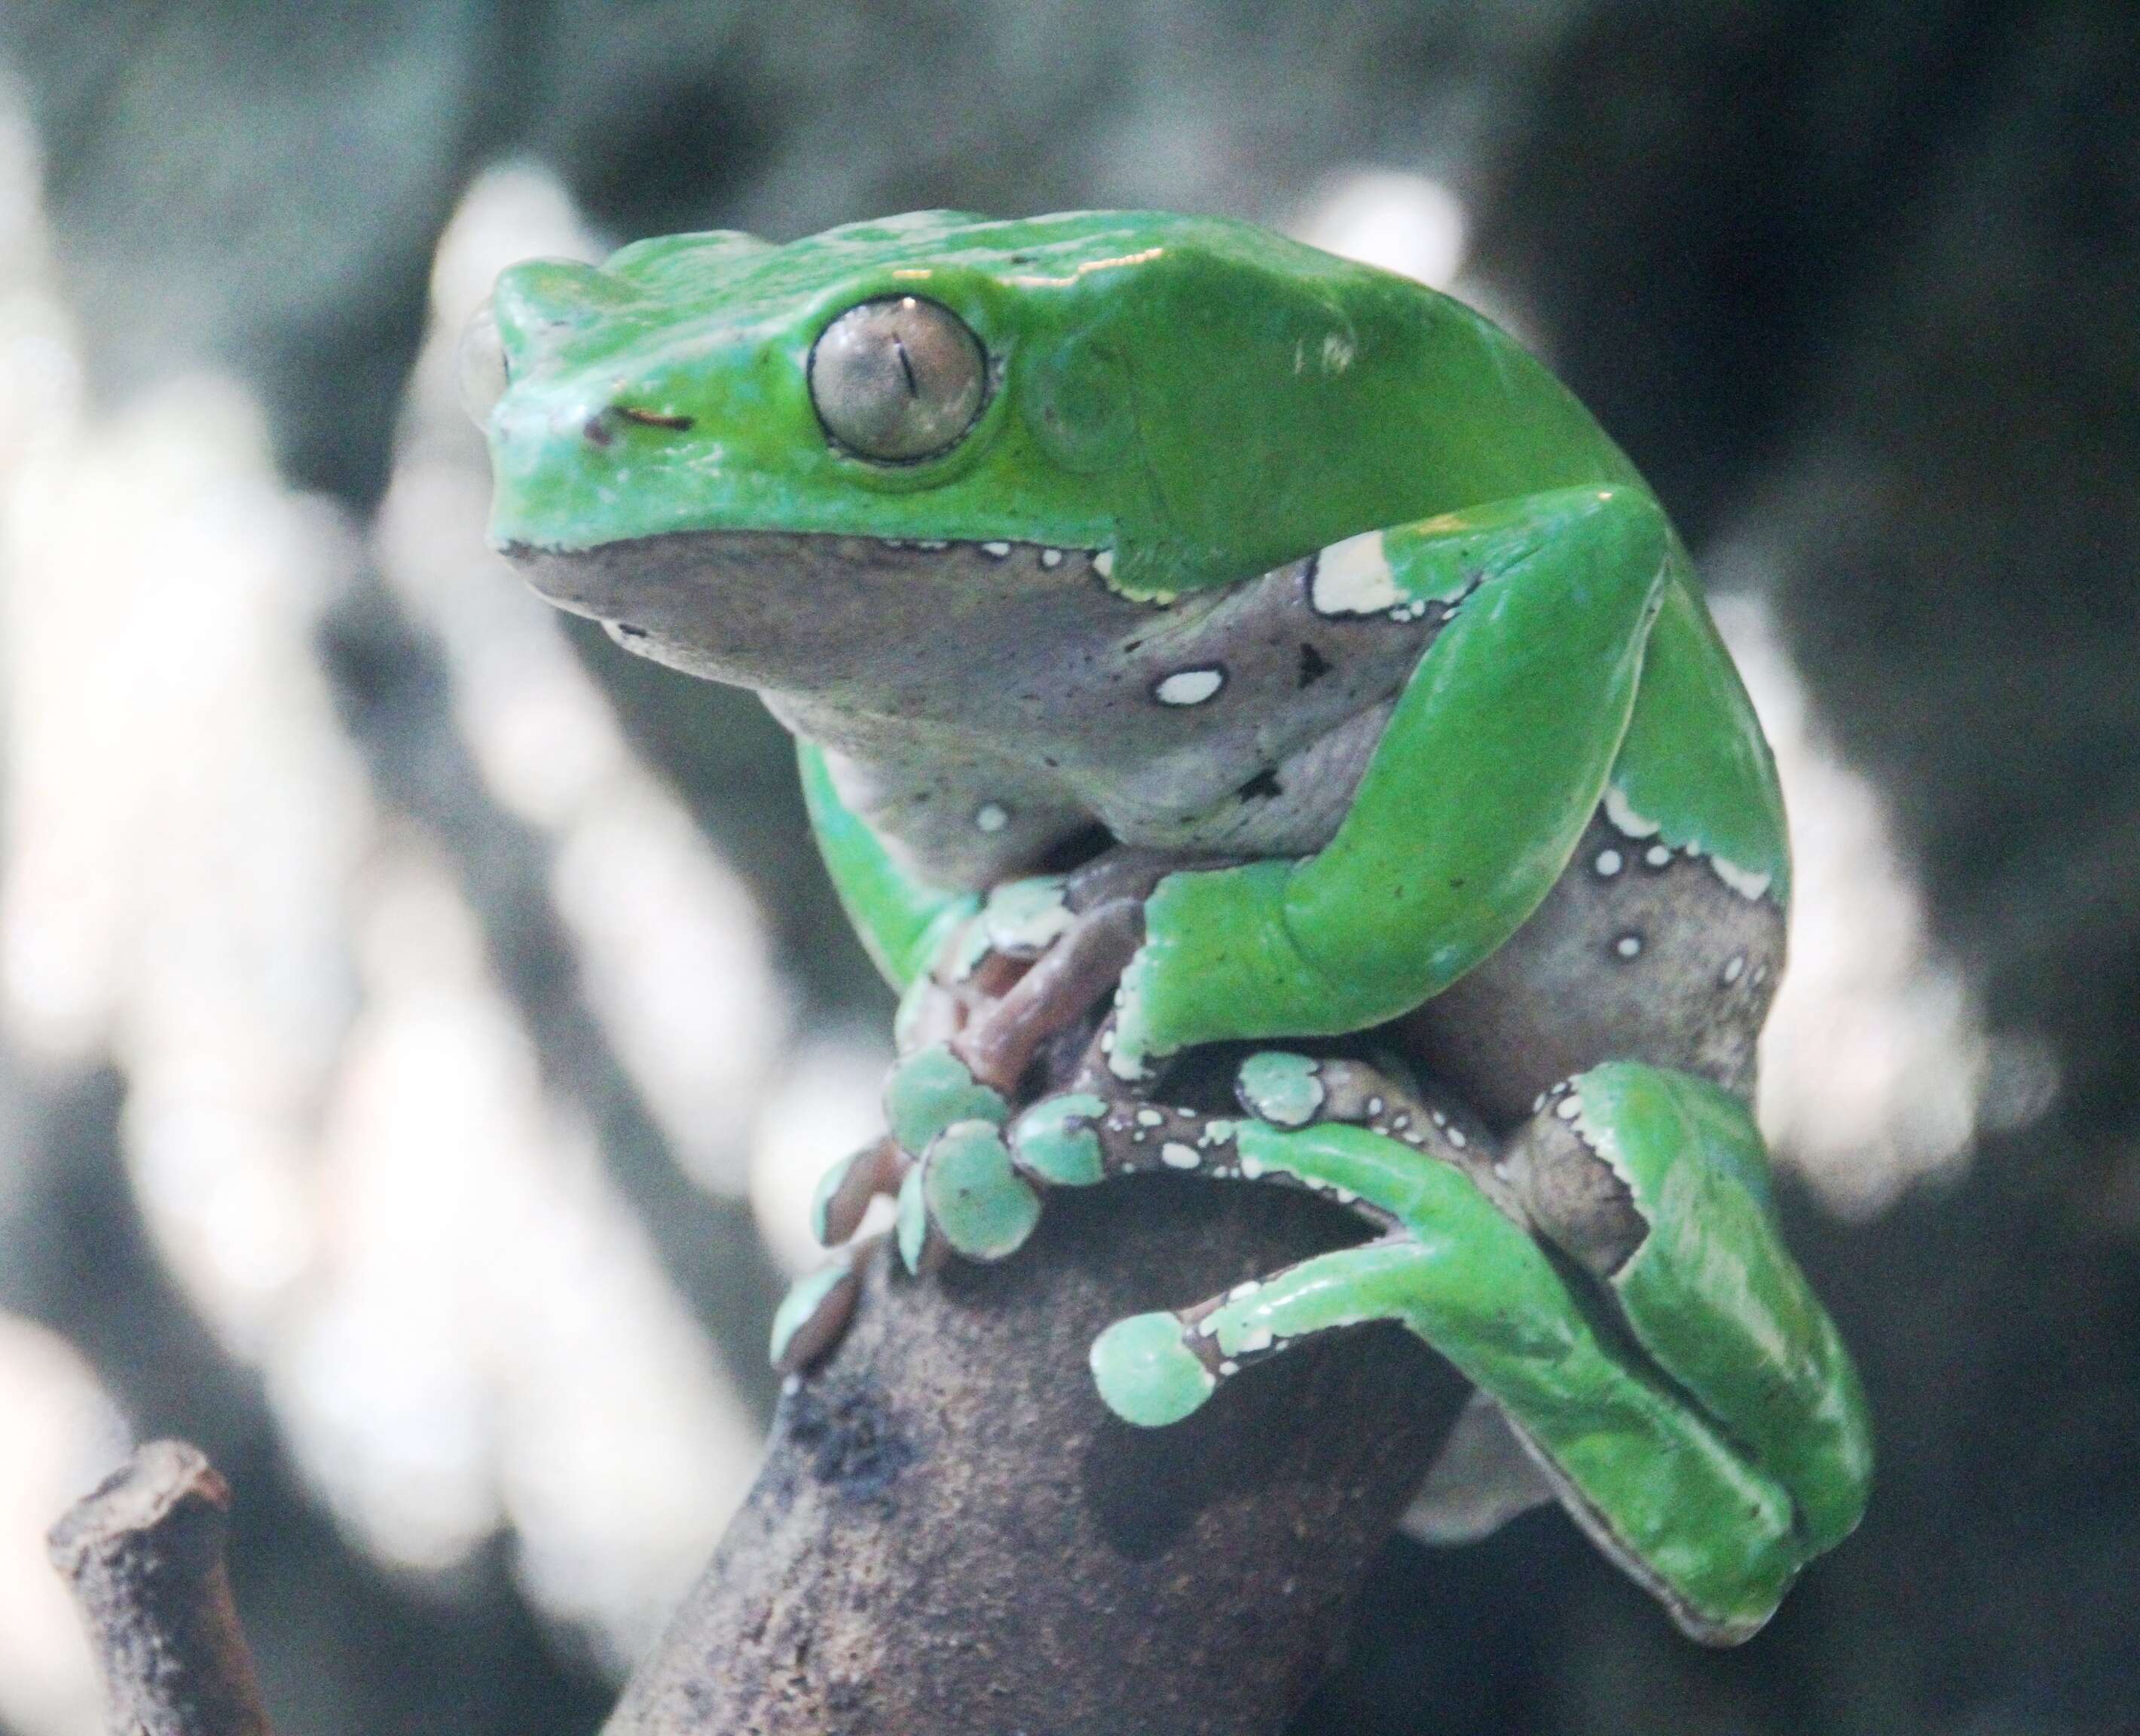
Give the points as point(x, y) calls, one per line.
point(1656, 1183)
point(1651, 1476)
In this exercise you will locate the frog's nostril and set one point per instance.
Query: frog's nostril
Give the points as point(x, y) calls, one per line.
point(652, 419)
point(601, 428)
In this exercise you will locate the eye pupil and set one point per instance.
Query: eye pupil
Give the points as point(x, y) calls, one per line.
point(898, 379)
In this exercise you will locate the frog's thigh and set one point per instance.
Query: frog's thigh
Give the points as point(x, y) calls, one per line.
point(1638, 949)
point(1657, 1183)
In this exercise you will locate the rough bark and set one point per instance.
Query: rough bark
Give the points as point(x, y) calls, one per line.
point(951, 1534)
point(144, 1557)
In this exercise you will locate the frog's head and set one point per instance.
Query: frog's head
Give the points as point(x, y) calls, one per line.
point(746, 441)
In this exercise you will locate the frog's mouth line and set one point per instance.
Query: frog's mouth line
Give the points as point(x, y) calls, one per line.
point(793, 609)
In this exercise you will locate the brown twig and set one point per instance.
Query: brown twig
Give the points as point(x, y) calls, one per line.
point(143, 1555)
point(951, 1534)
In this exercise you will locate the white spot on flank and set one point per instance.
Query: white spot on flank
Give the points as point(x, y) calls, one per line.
point(1051, 557)
point(1457, 1138)
point(1150, 1118)
point(1103, 562)
point(1627, 945)
point(1736, 968)
point(1260, 1339)
point(1609, 863)
point(1353, 577)
point(1175, 1155)
point(997, 549)
point(992, 817)
point(1569, 1108)
point(1743, 881)
point(1657, 855)
point(932, 546)
point(1625, 819)
point(1189, 687)
point(1241, 1291)
point(1230, 1366)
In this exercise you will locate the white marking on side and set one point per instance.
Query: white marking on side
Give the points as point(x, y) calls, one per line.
point(1103, 562)
point(1175, 1155)
point(1150, 1118)
point(1624, 818)
point(1051, 557)
point(1609, 863)
point(997, 549)
point(1747, 884)
point(1735, 967)
point(1657, 856)
point(1189, 687)
point(1353, 577)
point(991, 816)
point(1627, 945)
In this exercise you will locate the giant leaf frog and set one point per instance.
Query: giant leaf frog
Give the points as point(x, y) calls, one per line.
point(1200, 644)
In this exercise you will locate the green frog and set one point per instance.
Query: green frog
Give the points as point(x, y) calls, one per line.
point(1198, 644)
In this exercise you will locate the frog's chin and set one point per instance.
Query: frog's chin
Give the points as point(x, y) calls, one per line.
point(804, 610)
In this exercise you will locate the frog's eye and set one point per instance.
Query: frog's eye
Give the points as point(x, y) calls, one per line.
point(898, 379)
point(481, 363)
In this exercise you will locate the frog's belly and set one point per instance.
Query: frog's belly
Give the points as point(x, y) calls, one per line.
point(960, 817)
point(1639, 953)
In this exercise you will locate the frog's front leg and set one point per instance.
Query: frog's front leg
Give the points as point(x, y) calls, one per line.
point(1492, 762)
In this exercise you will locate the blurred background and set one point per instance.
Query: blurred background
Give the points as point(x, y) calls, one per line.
point(420, 1024)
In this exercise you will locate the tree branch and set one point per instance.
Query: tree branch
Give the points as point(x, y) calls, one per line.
point(143, 1555)
point(950, 1533)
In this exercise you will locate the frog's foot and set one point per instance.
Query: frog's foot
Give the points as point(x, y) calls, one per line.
point(1031, 964)
point(1651, 1476)
point(1656, 1183)
point(1066, 982)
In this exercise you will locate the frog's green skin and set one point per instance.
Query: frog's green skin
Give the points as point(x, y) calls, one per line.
point(1251, 553)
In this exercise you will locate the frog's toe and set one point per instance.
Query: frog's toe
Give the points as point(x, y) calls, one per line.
point(931, 1089)
point(1146, 1372)
point(845, 1191)
point(1280, 1087)
point(813, 1316)
point(1055, 1141)
point(974, 1195)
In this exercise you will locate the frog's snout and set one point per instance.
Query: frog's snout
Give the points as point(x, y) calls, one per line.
point(542, 304)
